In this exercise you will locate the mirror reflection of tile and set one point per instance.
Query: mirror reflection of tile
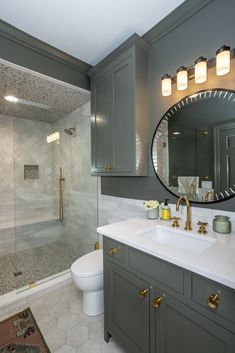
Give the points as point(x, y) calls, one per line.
point(31, 171)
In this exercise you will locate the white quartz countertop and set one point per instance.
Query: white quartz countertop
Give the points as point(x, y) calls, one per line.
point(217, 262)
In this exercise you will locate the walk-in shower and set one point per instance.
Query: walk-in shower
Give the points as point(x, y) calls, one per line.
point(48, 200)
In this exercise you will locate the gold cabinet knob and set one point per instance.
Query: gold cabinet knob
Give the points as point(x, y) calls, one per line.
point(142, 293)
point(213, 301)
point(113, 251)
point(108, 168)
point(157, 302)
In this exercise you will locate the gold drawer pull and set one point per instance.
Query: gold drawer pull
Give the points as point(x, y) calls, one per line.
point(157, 302)
point(142, 293)
point(213, 301)
point(113, 251)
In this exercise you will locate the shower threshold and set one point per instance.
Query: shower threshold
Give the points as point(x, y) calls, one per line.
point(26, 294)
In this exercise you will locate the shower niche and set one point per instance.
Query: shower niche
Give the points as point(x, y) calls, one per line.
point(31, 172)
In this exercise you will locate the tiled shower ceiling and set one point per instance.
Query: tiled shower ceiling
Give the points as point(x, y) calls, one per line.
point(61, 98)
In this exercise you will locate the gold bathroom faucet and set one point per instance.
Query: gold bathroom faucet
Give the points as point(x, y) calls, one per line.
point(187, 226)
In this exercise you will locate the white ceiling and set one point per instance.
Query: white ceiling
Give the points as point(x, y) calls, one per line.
point(86, 29)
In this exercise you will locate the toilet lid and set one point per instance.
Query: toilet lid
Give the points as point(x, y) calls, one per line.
point(89, 265)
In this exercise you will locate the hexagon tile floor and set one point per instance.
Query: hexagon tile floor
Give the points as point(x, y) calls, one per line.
point(65, 328)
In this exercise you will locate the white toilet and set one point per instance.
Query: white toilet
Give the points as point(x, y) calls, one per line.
point(87, 275)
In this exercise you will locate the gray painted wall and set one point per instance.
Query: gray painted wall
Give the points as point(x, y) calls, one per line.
point(201, 34)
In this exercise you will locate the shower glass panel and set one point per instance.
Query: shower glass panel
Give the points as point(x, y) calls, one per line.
point(55, 197)
point(7, 215)
point(48, 200)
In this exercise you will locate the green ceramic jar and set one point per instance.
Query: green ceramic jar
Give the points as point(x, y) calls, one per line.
point(222, 224)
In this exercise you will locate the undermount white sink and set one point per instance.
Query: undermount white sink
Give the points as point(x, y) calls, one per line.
point(178, 239)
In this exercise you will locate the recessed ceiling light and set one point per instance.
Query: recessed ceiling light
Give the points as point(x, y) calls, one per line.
point(176, 133)
point(26, 102)
point(11, 99)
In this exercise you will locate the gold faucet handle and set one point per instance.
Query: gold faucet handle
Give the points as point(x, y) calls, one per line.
point(175, 222)
point(202, 227)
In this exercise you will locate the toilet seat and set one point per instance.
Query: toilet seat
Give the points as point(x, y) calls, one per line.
point(89, 265)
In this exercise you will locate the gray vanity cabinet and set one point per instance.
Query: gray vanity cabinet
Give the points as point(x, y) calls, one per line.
point(152, 306)
point(179, 329)
point(128, 308)
point(119, 123)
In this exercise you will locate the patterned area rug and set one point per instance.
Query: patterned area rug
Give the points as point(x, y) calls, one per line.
point(20, 333)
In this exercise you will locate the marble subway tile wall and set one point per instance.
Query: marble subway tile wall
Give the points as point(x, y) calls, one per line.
point(114, 209)
point(80, 188)
point(26, 205)
point(7, 170)
point(34, 196)
point(36, 234)
point(7, 215)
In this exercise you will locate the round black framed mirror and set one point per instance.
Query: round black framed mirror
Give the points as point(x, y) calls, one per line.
point(193, 147)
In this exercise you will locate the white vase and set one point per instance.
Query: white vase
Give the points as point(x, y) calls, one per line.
point(153, 213)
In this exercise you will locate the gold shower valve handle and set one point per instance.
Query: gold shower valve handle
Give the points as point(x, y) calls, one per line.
point(142, 293)
point(157, 302)
point(113, 251)
point(213, 301)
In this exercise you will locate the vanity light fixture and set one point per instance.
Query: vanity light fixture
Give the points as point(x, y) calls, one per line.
point(54, 137)
point(182, 78)
point(223, 58)
point(166, 85)
point(11, 99)
point(201, 70)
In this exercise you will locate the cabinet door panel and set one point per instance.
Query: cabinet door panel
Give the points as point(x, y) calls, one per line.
point(180, 329)
point(123, 116)
point(128, 315)
point(100, 124)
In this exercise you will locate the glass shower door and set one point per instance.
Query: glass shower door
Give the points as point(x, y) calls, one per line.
point(55, 197)
point(37, 225)
point(7, 215)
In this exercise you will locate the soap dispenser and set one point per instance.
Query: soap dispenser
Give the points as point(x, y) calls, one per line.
point(166, 210)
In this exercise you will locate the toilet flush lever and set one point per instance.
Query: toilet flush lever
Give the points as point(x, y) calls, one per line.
point(113, 251)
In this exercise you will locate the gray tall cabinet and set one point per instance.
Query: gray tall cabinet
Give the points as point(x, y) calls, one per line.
point(152, 306)
point(119, 108)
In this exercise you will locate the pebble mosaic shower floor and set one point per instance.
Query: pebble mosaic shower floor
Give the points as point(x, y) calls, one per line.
point(34, 264)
